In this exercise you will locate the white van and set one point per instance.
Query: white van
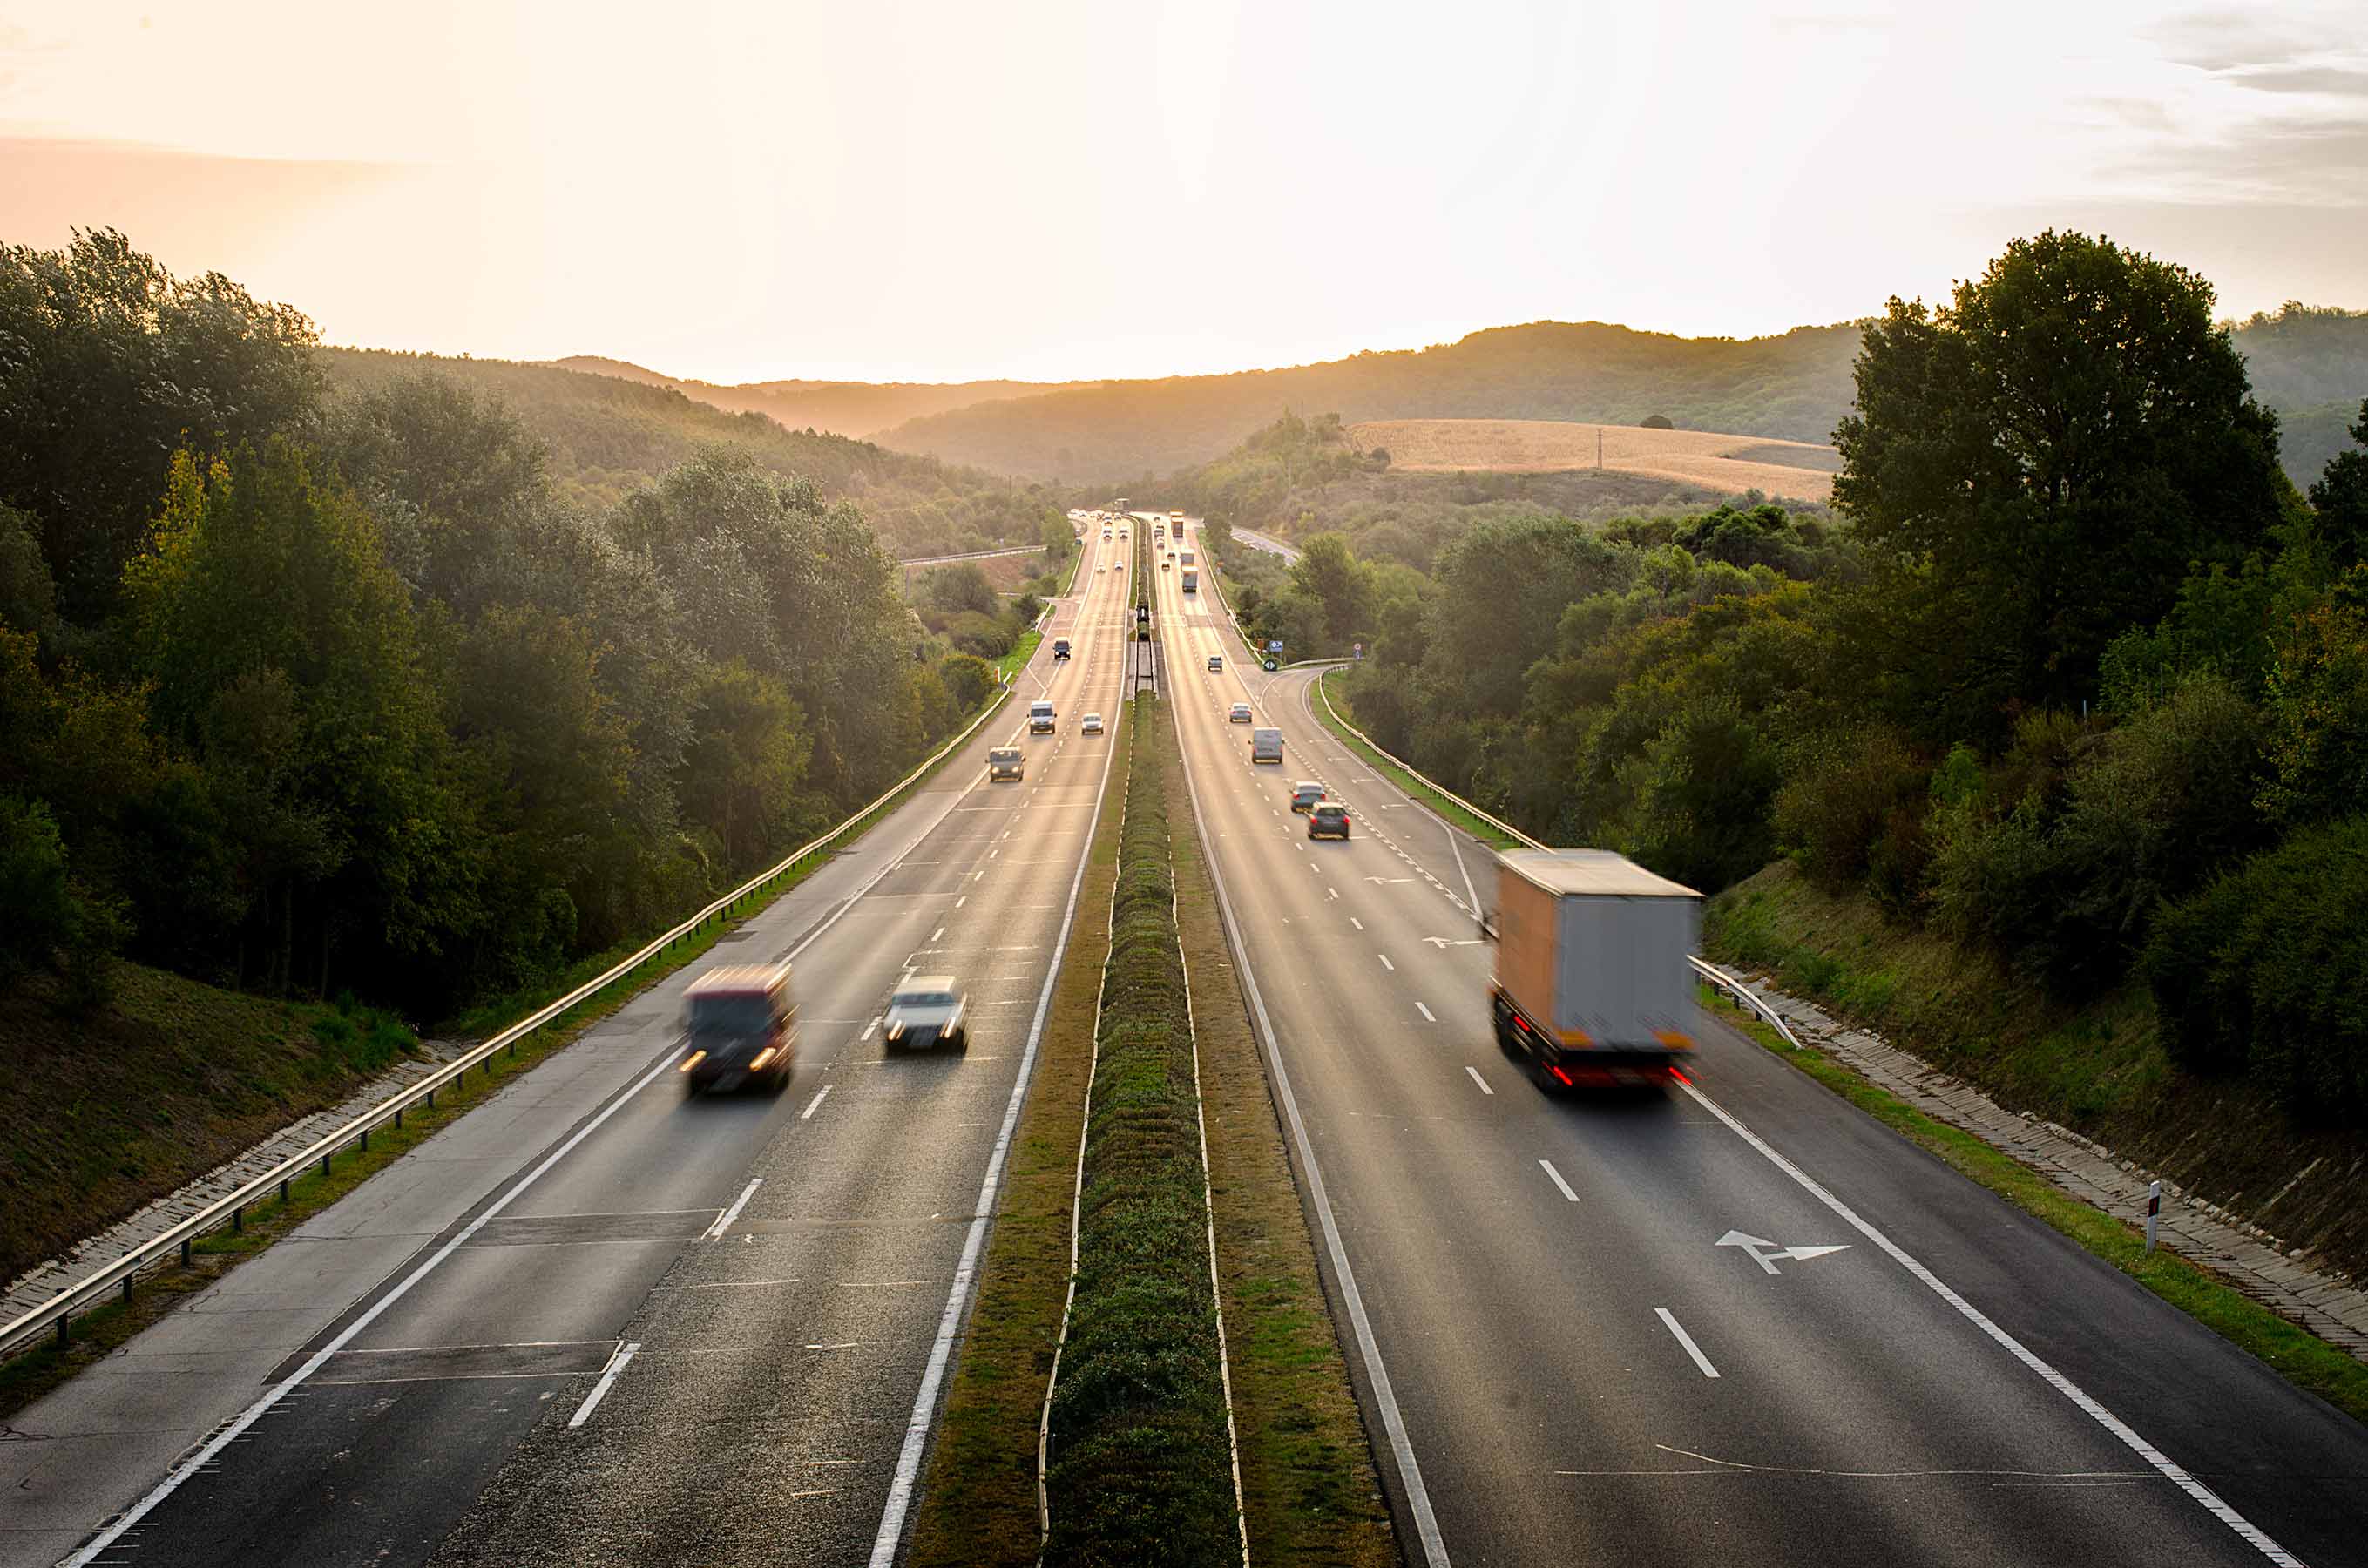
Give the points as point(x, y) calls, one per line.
point(1040, 718)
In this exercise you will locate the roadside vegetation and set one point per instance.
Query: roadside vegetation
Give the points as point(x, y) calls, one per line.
point(1139, 1451)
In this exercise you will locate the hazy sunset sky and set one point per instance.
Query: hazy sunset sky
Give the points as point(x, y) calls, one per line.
point(937, 192)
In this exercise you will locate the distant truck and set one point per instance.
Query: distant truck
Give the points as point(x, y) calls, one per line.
point(1266, 746)
point(1190, 559)
point(1592, 987)
point(1191, 580)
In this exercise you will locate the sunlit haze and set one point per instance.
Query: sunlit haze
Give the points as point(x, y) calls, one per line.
point(916, 191)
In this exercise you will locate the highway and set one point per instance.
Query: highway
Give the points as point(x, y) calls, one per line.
point(667, 1329)
point(1741, 1323)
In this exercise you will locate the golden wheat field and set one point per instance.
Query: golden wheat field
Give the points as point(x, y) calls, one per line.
point(1796, 470)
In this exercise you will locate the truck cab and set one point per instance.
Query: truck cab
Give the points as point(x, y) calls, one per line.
point(1592, 989)
point(1039, 717)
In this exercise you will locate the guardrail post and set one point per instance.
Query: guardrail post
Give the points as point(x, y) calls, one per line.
point(2154, 1210)
point(398, 1118)
point(127, 1289)
point(238, 1219)
point(365, 1139)
point(185, 1252)
point(431, 1099)
point(62, 1331)
point(283, 1190)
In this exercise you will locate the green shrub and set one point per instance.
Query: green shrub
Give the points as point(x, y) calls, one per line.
point(1838, 804)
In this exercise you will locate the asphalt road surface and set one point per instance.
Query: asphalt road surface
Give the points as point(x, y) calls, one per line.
point(1737, 1323)
point(695, 1330)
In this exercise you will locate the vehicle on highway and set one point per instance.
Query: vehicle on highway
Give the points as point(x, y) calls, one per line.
point(739, 1026)
point(1191, 580)
point(1191, 557)
point(1060, 648)
point(1177, 519)
point(924, 1012)
point(1327, 819)
point(1592, 988)
point(1122, 533)
point(1266, 746)
point(1239, 714)
point(1006, 762)
point(1216, 663)
point(1040, 718)
point(1306, 794)
point(1091, 724)
point(1164, 564)
point(1106, 533)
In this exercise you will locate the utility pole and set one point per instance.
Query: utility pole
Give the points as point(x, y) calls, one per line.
point(1598, 448)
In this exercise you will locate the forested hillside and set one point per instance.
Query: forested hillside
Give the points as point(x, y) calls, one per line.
point(2309, 366)
point(603, 436)
point(2085, 691)
point(841, 408)
point(314, 678)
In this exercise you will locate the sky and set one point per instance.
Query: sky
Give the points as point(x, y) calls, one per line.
point(1056, 189)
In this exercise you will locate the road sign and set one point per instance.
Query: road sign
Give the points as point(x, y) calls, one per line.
point(1274, 645)
point(1271, 667)
point(1766, 1254)
point(1357, 649)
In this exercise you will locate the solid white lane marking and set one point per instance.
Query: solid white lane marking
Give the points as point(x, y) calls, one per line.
point(814, 1104)
point(724, 1220)
point(2251, 1533)
point(223, 1439)
point(1556, 1177)
point(1479, 1080)
point(625, 1354)
point(1428, 1015)
point(1386, 963)
point(1688, 1340)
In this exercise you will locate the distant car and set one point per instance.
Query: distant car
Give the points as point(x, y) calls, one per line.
point(1329, 820)
point(1006, 762)
point(1060, 648)
point(739, 1026)
point(1106, 533)
point(1217, 662)
point(924, 1012)
point(1166, 564)
point(1306, 794)
point(1239, 714)
point(1091, 724)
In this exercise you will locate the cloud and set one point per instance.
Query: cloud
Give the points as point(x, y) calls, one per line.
point(2226, 40)
point(2332, 80)
point(2317, 160)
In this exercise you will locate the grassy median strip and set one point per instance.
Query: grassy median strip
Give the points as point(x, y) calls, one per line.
point(2302, 1357)
point(1309, 1487)
point(38, 1368)
point(1447, 806)
point(978, 1495)
point(1140, 1467)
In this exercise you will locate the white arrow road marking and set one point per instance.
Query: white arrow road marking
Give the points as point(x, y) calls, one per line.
point(1388, 880)
point(1451, 941)
point(1765, 1253)
point(724, 1220)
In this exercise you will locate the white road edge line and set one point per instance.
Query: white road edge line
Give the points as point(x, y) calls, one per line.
point(1688, 1340)
point(617, 1360)
point(1479, 1080)
point(724, 1220)
point(1418, 1497)
point(815, 1104)
point(2251, 1533)
point(925, 1404)
point(1556, 1177)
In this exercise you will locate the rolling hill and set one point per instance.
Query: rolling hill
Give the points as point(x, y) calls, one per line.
point(1794, 471)
point(839, 408)
point(606, 434)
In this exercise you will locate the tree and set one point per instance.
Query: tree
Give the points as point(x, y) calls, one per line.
point(1656, 422)
point(1327, 572)
point(111, 364)
point(2049, 451)
point(2340, 500)
point(960, 586)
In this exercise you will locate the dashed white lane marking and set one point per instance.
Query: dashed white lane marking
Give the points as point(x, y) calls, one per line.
point(1334, 892)
point(1688, 1340)
point(1357, 923)
point(1386, 963)
point(2246, 1530)
point(960, 902)
point(937, 933)
point(1556, 1177)
point(724, 1220)
point(1479, 1080)
point(814, 1104)
point(1428, 1015)
point(870, 1027)
point(624, 1353)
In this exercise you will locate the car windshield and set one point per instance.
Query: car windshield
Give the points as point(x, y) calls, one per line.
point(729, 1013)
point(924, 999)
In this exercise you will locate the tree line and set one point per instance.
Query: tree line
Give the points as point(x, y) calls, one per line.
point(312, 692)
point(2075, 673)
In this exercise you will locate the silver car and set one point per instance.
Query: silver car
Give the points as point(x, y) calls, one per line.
point(924, 1012)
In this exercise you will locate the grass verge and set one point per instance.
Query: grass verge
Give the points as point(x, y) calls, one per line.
point(36, 1370)
point(1140, 1466)
point(2303, 1358)
point(1453, 811)
point(978, 1495)
point(1011, 664)
point(1310, 1491)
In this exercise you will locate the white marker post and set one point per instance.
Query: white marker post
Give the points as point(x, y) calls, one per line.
point(2154, 1210)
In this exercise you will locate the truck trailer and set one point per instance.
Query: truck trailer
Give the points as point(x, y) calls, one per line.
point(1592, 987)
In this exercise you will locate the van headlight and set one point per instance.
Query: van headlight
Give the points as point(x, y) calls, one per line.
point(896, 1028)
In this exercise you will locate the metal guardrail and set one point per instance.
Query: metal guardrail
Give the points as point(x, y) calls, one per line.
point(232, 1208)
point(1508, 829)
point(1744, 994)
